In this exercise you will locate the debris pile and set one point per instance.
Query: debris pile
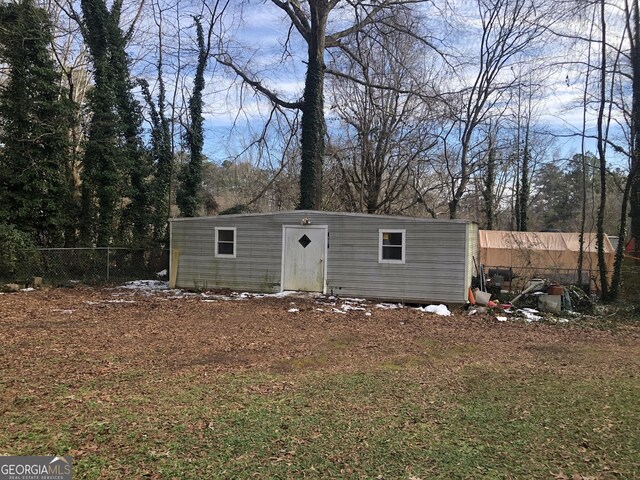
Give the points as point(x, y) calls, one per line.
point(540, 299)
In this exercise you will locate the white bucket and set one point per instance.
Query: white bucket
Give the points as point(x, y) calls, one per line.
point(482, 298)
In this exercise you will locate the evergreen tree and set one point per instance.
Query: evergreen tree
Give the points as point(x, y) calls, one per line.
point(35, 118)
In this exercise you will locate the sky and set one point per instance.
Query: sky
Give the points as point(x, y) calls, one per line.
point(257, 38)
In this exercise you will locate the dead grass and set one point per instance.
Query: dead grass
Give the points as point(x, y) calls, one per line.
point(137, 386)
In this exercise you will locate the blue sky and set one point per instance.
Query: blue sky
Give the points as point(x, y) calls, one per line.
point(258, 39)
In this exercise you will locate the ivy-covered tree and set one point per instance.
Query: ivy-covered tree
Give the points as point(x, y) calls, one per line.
point(189, 193)
point(35, 118)
point(115, 169)
point(162, 158)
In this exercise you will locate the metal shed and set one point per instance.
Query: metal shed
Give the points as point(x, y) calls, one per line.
point(375, 256)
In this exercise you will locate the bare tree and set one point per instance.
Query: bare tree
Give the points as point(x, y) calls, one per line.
point(508, 29)
point(384, 124)
point(321, 25)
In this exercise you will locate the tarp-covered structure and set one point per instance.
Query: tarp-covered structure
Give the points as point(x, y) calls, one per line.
point(548, 254)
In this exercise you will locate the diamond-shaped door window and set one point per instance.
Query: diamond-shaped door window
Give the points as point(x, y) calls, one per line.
point(304, 241)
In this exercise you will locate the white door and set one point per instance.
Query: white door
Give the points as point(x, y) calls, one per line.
point(303, 258)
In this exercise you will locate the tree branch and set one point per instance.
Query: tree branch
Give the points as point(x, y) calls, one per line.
point(257, 85)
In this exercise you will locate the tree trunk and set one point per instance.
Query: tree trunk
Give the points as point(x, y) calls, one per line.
point(489, 181)
point(631, 193)
point(617, 267)
point(313, 124)
point(602, 266)
point(634, 196)
point(524, 188)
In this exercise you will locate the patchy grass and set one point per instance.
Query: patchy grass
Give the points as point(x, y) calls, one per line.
point(243, 389)
point(390, 424)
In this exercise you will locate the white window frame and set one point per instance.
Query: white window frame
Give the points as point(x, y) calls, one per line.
point(381, 232)
point(235, 243)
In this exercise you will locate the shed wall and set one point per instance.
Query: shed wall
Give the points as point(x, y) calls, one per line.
point(436, 268)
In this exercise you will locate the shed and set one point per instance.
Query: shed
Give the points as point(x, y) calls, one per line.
point(552, 254)
point(358, 255)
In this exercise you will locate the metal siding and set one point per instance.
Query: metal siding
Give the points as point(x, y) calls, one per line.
point(258, 253)
point(434, 260)
point(436, 267)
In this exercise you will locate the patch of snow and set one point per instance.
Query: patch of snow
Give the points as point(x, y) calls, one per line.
point(63, 311)
point(162, 273)
point(336, 310)
point(146, 285)
point(529, 314)
point(28, 289)
point(210, 297)
point(388, 306)
point(501, 319)
point(293, 310)
point(346, 307)
point(563, 320)
point(89, 302)
point(441, 310)
point(354, 300)
point(368, 314)
point(285, 293)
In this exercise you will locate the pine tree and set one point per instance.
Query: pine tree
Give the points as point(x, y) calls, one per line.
point(35, 119)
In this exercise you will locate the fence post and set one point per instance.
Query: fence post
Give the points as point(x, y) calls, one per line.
point(108, 262)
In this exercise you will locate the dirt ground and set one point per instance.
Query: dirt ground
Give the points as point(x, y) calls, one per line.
point(88, 332)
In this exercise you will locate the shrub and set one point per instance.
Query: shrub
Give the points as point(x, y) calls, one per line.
point(19, 257)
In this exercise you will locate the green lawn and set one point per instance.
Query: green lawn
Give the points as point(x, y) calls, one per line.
point(384, 424)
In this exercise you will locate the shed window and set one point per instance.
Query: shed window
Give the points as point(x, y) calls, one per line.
point(392, 245)
point(225, 242)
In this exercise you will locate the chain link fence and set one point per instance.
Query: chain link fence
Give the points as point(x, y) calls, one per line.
point(93, 266)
